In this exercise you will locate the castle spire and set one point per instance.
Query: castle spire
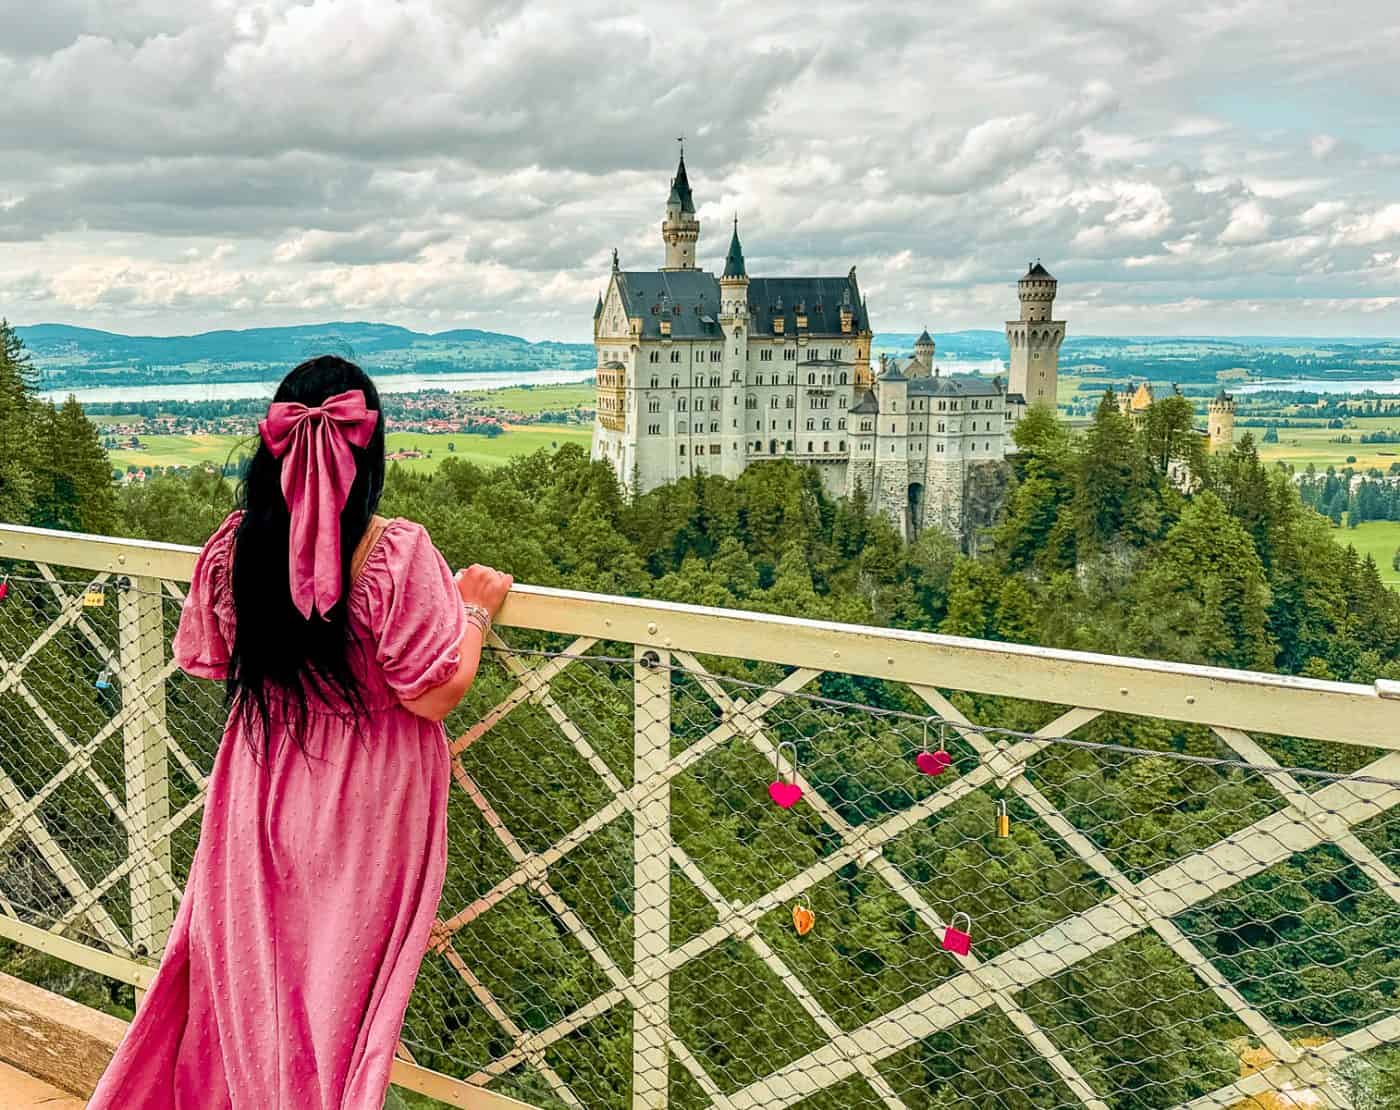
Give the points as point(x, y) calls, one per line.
point(734, 260)
point(680, 229)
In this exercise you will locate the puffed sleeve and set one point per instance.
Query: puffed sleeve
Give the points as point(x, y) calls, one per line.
point(202, 642)
point(413, 610)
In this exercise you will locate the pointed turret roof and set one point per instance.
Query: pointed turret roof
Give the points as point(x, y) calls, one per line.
point(734, 260)
point(924, 338)
point(1036, 270)
point(1222, 395)
point(680, 189)
point(598, 308)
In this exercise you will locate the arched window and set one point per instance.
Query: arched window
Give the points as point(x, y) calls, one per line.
point(811, 379)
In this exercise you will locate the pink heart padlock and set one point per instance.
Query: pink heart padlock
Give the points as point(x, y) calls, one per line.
point(785, 794)
point(954, 939)
point(933, 763)
point(4, 587)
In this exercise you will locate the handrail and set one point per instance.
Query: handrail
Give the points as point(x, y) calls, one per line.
point(1250, 700)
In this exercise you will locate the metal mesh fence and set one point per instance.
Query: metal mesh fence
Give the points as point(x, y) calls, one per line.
point(689, 882)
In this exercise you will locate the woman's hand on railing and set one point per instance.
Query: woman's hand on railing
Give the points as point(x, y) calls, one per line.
point(484, 586)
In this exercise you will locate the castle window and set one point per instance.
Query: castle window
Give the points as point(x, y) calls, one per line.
point(789, 445)
point(891, 448)
point(812, 355)
point(789, 400)
point(682, 448)
point(843, 378)
point(953, 406)
point(792, 378)
point(811, 379)
point(772, 402)
point(826, 445)
point(775, 379)
point(655, 381)
point(988, 446)
point(714, 381)
point(653, 405)
point(675, 356)
point(841, 401)
point(841, 445)
point(765, 355)
point(715, 355)
point(972, 446)
point(841, 424)
point(940, 447)
point(654, 429)
point(714, 448)
point(941, 426)
point(834, 354)
point(811, 424)
point(790, 354)
point(655, 356)
point(714, 425)
point(680, 405)
point(826, 424)
point(809, 447)
point(675, 382)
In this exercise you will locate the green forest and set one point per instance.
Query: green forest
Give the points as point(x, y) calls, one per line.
point(1095, 550)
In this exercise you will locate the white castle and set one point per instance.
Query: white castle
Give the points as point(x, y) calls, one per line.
point(698, 374)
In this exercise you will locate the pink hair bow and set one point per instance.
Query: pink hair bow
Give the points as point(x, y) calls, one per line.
point(318, 469)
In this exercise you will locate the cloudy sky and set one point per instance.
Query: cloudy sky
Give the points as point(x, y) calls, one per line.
point(1203, 166)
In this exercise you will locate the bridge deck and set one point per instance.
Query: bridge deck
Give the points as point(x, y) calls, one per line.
point(21, 1092)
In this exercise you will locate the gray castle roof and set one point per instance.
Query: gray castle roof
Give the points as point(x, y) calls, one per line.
point(866, 405)
point(1036, 270)
point(693, 303)
point(924, 337)
point(962, 385)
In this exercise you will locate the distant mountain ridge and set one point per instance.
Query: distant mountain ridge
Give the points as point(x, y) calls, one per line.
point(74, 356)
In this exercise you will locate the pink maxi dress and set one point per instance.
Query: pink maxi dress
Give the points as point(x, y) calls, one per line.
point(316, 881)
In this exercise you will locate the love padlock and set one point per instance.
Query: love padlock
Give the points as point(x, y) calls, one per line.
point(1003, 819)
point(803, 919)
point(785, 795)
point(4, 587)
point(95, 596)
point(934, 762)
point(954, 939)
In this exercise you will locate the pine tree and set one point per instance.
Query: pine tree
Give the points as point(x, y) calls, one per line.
point(18, 439)
point(1110, 478)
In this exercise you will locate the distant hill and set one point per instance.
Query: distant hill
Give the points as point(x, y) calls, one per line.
point(74, 357)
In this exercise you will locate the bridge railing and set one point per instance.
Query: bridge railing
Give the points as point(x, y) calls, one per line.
point(711, 858)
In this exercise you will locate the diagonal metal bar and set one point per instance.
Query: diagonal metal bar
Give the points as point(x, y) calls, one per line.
point(1173, 889)
point(1093, 856)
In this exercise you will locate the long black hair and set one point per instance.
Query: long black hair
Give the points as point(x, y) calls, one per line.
point(278, 655)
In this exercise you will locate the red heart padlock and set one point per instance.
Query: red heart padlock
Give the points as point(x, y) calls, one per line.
point(785, 794)
point(4, 587)
point(954, 939)
point(937, 761)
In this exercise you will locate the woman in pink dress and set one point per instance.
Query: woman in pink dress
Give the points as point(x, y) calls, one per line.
point(343, 640)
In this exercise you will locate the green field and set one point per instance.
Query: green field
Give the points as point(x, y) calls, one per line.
point(216, 450)
point(537, 398)
point(1300, 446)
point(1378, 539)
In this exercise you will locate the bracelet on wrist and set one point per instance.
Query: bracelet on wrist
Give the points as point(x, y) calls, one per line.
point(478, 617)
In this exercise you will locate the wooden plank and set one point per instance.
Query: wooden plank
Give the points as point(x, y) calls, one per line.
point(55, 1039)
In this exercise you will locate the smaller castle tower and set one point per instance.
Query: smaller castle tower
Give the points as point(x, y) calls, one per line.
point(734, 326)
point(923, 353)
point(680, 229)
point(1222, 422)
point(1034, 340)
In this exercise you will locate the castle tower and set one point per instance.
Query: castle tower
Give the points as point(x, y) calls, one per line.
point(734, 325)
point(1035, 338)
point(923, 353)
point(680, 229)
point(1222, 422)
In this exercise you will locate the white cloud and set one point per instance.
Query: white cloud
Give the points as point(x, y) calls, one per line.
point(174, 167)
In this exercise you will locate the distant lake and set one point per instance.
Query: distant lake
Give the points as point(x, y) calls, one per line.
point(387, 383)
point(1323, 385)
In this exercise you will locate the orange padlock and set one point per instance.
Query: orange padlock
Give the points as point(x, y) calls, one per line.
point(803, 919)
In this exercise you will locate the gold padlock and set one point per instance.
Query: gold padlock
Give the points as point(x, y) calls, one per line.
point(1003, 819)
point(95, 597)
